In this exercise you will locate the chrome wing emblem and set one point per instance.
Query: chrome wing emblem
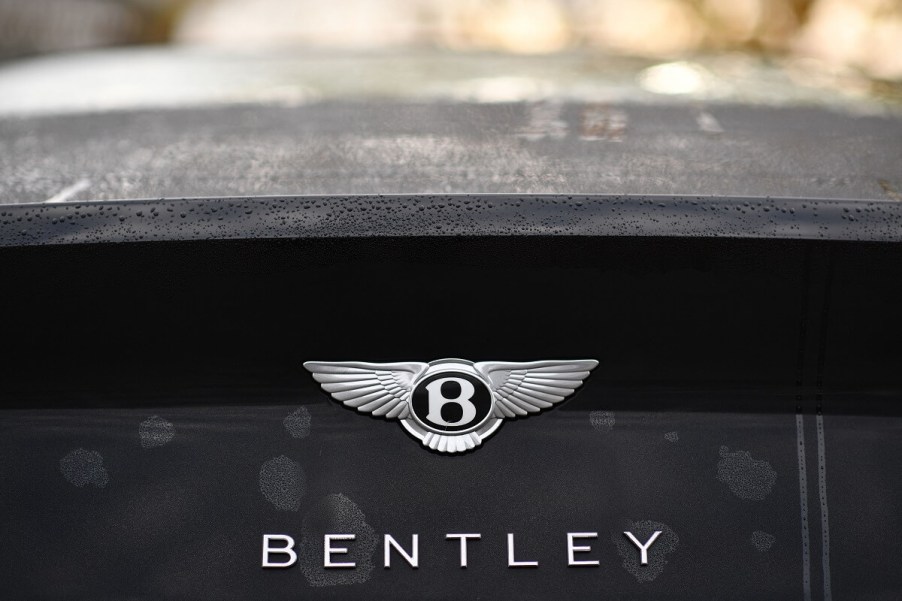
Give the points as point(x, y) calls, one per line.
point(451, 405)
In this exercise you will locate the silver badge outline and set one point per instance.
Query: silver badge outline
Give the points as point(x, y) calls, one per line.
point(517, 390)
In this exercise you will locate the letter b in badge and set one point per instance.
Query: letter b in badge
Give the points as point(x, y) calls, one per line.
point(437, 400)
point(452, 401)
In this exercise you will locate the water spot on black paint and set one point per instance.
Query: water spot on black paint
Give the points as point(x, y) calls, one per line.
point(283, 483)
point(298, 423)
point(336, 514)
point(665, 544)
point(155, 432)
point(603, 421)
point(762, 541)
point(81, 467)
point(748, 478)
point(672, 437)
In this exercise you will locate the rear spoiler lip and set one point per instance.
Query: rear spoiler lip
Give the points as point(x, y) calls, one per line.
point(458, 215)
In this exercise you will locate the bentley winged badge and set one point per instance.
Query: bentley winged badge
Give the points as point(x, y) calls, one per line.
point(451, 405)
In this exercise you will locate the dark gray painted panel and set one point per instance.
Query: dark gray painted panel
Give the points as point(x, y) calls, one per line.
point(339, 148)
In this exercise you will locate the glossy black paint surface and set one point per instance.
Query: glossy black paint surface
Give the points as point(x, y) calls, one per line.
point(466, 215)
point(723, 342)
